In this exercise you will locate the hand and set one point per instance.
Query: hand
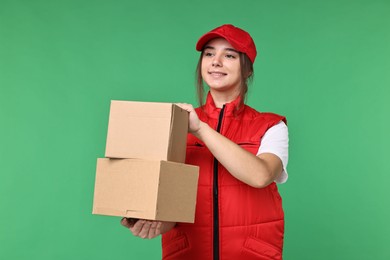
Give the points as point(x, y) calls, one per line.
point(194, 122)
point(147, 228)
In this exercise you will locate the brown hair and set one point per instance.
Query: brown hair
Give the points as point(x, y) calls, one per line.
point(246, 75)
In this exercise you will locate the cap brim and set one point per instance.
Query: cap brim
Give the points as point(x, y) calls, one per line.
point(206, 38)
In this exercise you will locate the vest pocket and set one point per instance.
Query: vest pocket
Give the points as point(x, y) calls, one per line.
point(175, 246)
point(255, 248)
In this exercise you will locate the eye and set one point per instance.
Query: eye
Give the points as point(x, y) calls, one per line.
point(230, 56)
point(207, 54)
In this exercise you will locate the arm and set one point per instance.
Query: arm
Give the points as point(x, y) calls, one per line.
point(256, 171)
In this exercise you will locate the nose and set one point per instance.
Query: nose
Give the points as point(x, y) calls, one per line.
point(216, 61)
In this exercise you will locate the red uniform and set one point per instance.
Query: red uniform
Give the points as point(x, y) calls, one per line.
point(233, 220)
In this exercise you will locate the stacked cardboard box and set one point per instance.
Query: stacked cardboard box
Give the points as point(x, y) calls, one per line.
point(144, 175)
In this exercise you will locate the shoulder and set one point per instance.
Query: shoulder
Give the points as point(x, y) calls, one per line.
point(270, 117)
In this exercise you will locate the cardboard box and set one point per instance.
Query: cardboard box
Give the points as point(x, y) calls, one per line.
point(146, 189)
point(147, 130)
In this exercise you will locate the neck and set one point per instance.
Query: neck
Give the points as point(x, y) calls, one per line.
point(221, 98)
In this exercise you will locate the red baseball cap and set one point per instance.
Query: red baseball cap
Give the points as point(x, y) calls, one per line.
point(238, 38)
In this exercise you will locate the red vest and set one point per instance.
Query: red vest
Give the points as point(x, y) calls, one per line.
point(233, 220)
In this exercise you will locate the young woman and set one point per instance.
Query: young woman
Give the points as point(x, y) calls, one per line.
point(242, 154)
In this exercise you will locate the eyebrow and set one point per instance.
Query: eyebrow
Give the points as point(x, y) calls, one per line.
point(226, 49)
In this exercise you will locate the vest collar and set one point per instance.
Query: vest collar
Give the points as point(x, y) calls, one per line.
point(230, 108)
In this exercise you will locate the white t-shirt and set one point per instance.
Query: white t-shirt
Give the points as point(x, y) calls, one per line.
point(275, 141)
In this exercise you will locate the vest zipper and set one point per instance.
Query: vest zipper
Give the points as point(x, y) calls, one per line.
point(215, 196)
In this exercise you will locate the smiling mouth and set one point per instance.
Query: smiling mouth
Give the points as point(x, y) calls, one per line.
point(217, 73)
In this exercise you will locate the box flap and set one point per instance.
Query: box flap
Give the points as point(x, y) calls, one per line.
point(146, 214)
point(178, 135)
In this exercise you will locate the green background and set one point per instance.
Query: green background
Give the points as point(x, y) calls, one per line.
point(323, 64)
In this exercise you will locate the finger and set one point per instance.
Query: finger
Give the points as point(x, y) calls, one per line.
point(158, 228)
point(144, 233)
point(152, 230)
point(187, 107)
point(137, 228)
point(128, 222)
point(125, 223)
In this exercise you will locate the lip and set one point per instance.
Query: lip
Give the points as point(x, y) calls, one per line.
point(217, 73)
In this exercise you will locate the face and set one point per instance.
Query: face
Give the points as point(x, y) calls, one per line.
point(221, 67)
